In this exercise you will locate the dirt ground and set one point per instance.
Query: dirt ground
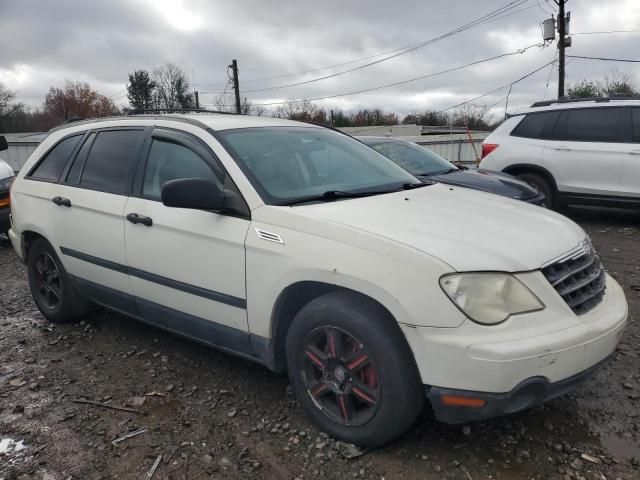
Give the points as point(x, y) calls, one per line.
point(203, 414)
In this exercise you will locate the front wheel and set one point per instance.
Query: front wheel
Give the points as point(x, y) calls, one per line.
point(352, 370)
point(51, 287)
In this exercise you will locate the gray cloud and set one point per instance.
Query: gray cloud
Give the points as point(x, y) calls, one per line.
point(44, 43)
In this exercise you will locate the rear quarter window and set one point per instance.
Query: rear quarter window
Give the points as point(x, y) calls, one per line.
point(51, 166)
point(536, 125)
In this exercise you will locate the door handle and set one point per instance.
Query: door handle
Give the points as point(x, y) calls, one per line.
point(61, 201)
point(635, 152)
point(135, 219)
point(562, 147)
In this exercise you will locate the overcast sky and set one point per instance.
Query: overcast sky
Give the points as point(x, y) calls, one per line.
point(43, 43)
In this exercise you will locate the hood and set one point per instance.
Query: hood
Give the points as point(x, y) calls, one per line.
point(467, 229)
point(488, 181)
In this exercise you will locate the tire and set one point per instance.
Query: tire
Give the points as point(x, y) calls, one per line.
point(543, 185)
point(350, 353)
point(51, 286)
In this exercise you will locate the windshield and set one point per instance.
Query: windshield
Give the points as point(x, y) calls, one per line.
point(289, 163)
point(413, 158)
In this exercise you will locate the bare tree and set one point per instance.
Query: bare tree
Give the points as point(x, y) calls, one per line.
point(475, 117)
point(171, 88)
point(7, 96)
point(619, 82)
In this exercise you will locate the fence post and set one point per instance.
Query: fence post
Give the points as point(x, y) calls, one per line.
point(459, 150)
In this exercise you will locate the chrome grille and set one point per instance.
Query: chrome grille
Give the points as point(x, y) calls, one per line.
point(580, 281)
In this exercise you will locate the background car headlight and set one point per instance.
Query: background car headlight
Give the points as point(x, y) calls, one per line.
point(489, 298)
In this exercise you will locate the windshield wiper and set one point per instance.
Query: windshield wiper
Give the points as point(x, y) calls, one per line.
point(331, 195)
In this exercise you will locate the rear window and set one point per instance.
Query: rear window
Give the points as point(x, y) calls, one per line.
point(536, 125)
point(594, 125)
point(111, 160)
point(51, 166)
point(635, 113)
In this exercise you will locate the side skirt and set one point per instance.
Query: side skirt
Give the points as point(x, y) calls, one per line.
point(218, 336)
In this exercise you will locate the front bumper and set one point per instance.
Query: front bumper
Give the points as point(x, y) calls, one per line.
point(532, 392)
point(550, 345)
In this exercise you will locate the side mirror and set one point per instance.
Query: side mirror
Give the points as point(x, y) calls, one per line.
point(3, 143)
point(192, 193)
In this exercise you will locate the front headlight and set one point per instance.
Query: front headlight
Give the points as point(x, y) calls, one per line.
point(489, 298)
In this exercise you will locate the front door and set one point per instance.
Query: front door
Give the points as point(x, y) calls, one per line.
point(187, 267)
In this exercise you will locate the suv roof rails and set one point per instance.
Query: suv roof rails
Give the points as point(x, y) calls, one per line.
point(546, 103)
point(159, 111)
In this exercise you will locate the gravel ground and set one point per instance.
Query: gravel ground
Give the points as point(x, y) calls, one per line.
point(203, 414)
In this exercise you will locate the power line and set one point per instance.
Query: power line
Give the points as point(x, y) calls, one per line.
point(402, 82)
point(608, 31)
point(605, 59)
point(502, 12)
point(497, 89)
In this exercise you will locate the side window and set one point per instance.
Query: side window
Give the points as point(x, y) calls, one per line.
point(111, 160)
point(171, 161)
point(536, 125)
point(635, 112)
point(594, 124)
point(73, 176)
point(51, 166)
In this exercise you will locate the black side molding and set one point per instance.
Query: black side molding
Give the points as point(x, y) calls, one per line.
point(160, 280)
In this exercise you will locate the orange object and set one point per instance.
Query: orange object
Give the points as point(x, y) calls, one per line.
point(4, 202)
point(455, 401)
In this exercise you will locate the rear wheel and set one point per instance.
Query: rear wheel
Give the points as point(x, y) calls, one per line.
point(352, 370)
point(543, 185)
point(51, 287)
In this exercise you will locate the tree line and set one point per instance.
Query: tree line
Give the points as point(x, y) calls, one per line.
point(167, 87)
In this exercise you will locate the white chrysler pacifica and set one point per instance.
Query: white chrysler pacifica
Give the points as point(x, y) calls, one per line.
point(304, 250)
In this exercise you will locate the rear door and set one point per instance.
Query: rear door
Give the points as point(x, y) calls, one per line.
point(88, 215)
point(187, 266)
point(586, 152)
point(631, 168)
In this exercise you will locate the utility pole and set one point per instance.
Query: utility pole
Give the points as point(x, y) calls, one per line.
point(236, 87)
point(561, 44)
point(332, 122)
point(195, 96)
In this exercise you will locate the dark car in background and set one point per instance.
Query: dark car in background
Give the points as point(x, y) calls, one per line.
point(429, 166)
point(6, 177)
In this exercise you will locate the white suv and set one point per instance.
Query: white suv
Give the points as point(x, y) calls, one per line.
point(576, 152)
point(302, 249)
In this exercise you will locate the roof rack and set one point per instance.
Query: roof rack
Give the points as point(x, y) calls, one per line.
point(158, 111)
point(546, 103)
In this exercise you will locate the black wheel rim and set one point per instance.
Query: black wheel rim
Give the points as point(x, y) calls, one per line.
point(340, 376)
point(48, 281)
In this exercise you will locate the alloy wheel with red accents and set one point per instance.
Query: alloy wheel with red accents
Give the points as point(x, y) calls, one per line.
point(340, 377)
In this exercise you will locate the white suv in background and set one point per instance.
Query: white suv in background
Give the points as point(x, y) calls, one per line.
point(575, 151)
point(302, 249)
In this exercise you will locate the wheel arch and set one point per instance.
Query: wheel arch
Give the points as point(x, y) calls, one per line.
point(28, 237)
point(520, 168)
point(290, 301)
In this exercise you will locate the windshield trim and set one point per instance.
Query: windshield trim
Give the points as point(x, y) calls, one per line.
point(265, 196)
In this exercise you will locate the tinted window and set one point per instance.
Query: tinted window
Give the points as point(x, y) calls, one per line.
point(536, 125)
point(594, 124)
point(171, 161)
point(52, 165)
point(636, 124)
point(111, 159)
point(74, 172)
